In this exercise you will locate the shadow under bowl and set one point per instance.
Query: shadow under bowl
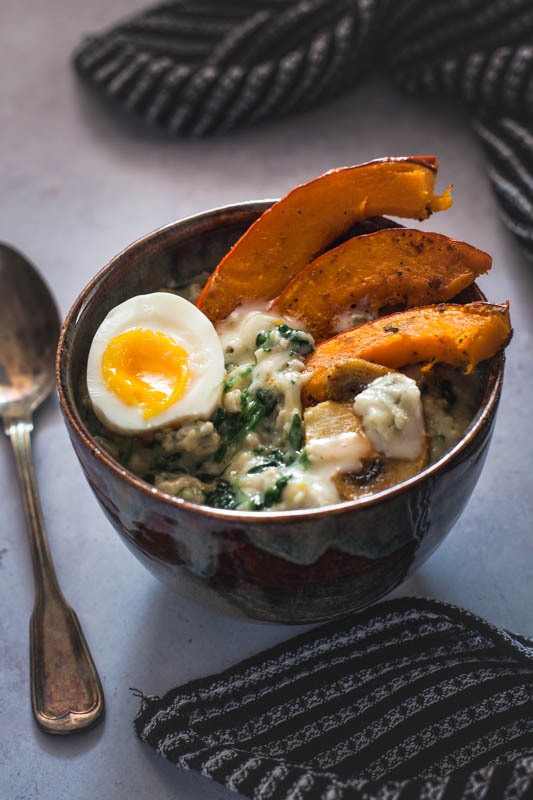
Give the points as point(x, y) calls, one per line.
point(284, 566)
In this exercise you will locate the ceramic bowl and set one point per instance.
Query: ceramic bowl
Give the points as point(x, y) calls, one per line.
point(284, 566)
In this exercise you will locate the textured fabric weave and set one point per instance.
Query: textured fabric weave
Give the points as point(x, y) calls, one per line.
point(202, 66)
point(409, 699)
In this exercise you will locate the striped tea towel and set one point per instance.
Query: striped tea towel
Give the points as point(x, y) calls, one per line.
point(204, 66)
point(412, 698)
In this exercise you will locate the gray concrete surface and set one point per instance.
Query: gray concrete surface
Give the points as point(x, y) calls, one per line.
point(77, 185)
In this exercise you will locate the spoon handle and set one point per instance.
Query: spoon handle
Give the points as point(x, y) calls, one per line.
point(65, 688)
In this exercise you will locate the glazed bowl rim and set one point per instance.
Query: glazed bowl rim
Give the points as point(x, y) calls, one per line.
point(70, 411)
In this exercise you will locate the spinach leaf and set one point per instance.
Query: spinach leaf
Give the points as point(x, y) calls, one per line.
point(222, 496)
point(266, 400)
point(166, 461)
point(304, 459)
point(231, 382)
point(271, 495)
point(169, 462)
point(262, 340)
point(296, 434)
point(300, 341)
point(229, 428)
point(271, 458)
point(232, 428)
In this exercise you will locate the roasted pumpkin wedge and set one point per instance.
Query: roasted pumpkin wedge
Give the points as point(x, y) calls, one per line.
point(400, 267)
point(295, 230)
point(459, 335)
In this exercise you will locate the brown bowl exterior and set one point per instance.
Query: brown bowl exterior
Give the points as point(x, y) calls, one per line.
point(283, 567)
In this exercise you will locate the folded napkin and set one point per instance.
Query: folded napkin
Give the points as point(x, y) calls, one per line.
point(203, 66)
point(412, 698)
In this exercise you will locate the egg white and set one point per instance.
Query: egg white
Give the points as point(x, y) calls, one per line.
point(180, 320)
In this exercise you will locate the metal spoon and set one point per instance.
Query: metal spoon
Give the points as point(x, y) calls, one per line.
point(65, 688)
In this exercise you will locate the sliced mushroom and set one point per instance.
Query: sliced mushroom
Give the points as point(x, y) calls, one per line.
point(379, 474)
point(345, 379)
point(331, 418)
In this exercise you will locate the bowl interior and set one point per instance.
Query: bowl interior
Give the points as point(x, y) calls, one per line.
point(172, 256)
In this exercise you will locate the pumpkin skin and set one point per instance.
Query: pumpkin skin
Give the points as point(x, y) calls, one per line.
point(459, 335)
point(400, 267)
point(294, 231)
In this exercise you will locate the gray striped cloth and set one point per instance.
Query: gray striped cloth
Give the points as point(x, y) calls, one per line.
point(412, 698)
point(203, 66)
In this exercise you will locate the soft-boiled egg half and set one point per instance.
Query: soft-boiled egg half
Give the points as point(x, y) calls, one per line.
point(155, 360)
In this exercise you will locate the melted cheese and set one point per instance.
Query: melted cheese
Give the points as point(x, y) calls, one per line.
point(391, 411)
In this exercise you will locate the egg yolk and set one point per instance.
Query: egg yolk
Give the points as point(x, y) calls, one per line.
point(146, 369)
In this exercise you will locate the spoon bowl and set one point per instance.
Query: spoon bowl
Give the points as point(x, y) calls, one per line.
point(29, 330)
